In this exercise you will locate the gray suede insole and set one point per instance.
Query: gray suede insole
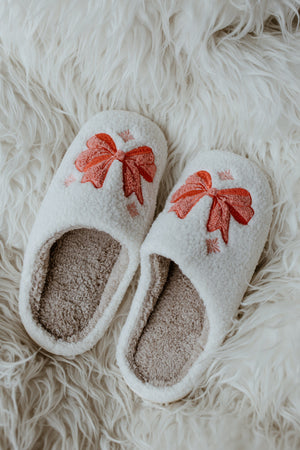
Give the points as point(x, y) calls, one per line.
point(80, 264)
point(174, 333)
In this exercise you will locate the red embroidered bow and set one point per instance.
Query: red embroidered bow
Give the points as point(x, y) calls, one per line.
point(226, 202)
point(102, 152)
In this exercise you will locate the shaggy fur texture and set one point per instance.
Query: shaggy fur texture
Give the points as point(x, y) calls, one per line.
point(215, 74)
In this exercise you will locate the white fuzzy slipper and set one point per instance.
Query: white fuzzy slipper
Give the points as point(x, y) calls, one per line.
point(196, 263)
point(84, 246)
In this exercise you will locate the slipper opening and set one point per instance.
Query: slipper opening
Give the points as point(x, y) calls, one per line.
point(172, 329)
point(75, 276)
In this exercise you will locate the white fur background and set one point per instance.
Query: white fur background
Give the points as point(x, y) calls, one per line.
point(213, 74)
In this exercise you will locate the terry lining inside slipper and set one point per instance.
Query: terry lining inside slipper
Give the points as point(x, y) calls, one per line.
point(75, 276)
point(172, 328)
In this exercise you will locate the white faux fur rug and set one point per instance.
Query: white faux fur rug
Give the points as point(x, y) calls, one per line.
point(213, 74)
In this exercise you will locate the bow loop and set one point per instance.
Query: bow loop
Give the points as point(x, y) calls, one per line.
point(195, 187)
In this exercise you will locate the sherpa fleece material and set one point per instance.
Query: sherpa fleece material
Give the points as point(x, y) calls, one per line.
point(84, 246)
point(196, 263)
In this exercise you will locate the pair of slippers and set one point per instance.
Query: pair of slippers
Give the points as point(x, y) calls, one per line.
point(92, 231)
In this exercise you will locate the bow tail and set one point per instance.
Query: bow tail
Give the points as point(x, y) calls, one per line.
point(219, 218)
point(132, 181)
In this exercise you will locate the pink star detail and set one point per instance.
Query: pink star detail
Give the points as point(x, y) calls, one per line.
point(225, 175)
point(212, 246)
point(132, 210)
point(70, 179)
point(126, 135)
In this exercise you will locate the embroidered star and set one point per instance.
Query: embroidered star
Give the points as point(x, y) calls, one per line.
point(70, 179)
point(126, 135)
point(225, 175)
point(132, 210)
point(212, 246)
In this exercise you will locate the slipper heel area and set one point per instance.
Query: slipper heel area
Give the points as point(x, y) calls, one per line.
point(174, 325)
point(76, 276)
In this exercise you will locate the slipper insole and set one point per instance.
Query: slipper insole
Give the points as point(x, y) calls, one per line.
point(174, 332)
point(79, 267)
